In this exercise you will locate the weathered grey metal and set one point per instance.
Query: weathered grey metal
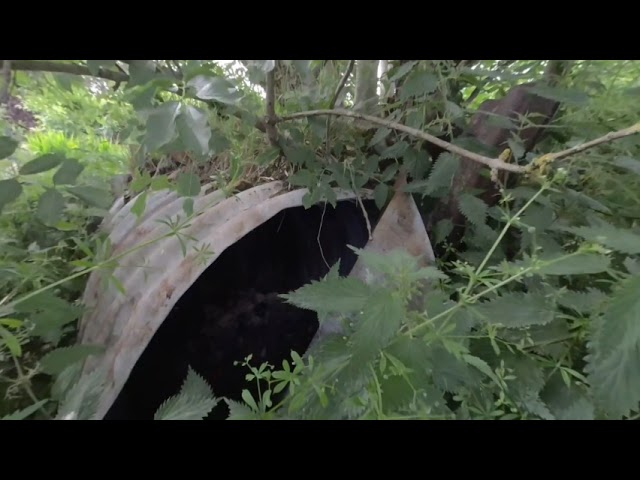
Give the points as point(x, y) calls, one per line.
point(155, 273)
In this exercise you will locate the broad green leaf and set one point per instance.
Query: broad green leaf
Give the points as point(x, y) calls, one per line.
point(7, 146)
point(65, 380)
point(41, 164)
point(618, 239)
point(219, 143)
point(380, 195)
point(303, 178)
point(440, 178)
point(443, 228)
point(517, 148)
point(300, 155)
point(57, 360)
point(567, 403)
point(50, 207)
point(187, 206)
point(347, 295)
point(612, 365)
point(82, 400)
point(582, 301)
point(402, 70)
point(581, 264)
point(92, 196)
point(26, 412)
point(269, 155)
point(218, 89)
point(627, 163)
point(239, 411)
point(11, 341)
point(397, 150)
point(517, 310)
point(188, 185)
point(454, 110)
point(473, 208)
point(194, 130)
point(194, 402)
point(482, 366)
point(379, 322)
point(380, 135)
point(68, 172)
point(10, 190)
point(64, 80)
point(563, 95)
point(141, 72)
point(161, 125)
point(418, 83)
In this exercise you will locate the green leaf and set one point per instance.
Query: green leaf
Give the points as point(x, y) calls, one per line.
point(628, 163)
point(10, 190)
point(68, 172)
point(482, 366)
point(82, 400)
point(57, 360)
point(300, 155)
point(239, 411)
point(443, 228)
point(41, 164)
point(11, 341)
point(161, 125)
point(581, 264)
point(418, 83)
point(7, 146)
point(379, 322)
point(567, 403)
point(618, 239)
point(141, 72)
point(614, 351)
point(26, 412)
point(194, 402)
point(560, 94)
point(219, 143)
point(139, 205)
point(402, 70)
point(347, 295)
point(187, 206)
point(92, 196)
point(188, 185)
point(397, 150)
point(50, 207)
point(380, 135)
point(269, 155)
point(582, 301)
point(218, 89)
point(194, 130)
point(440, 178)
point(380, 195)
point(473, 208)
point(517, 310)
point(517, 148)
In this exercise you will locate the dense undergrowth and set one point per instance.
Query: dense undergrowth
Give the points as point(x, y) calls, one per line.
point(533, 314)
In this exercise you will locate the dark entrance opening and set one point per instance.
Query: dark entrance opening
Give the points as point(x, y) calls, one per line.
point(233, 309)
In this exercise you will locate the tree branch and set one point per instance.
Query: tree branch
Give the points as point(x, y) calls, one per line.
point(490, 162)
point(342, 83)
point(70, 68)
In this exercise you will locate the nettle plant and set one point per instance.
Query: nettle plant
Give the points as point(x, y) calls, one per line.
point(532, 314)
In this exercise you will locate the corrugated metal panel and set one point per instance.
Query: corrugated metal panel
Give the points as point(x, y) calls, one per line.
point(155, 273)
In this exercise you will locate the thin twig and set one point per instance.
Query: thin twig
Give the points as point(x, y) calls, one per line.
point(609, 137)
point(332, 104)
point(490, 162)
point(272, 133)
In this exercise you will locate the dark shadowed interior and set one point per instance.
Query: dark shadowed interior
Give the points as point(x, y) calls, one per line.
point(233, 310)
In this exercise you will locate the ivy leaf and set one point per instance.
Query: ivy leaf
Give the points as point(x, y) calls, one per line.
point(380, 195)
point(419, 82)
point(194, 130)
point(473, 208)
point(10, 190)
point(68, 172)
point(188, 185)
point(41, 164)
point(92, 196)
point(26, 412)
point(517, 310)
point(194, 402)
point(614, 351)
point(7, 146)
point(57, 360)
point(50, 207)
point(161, 125)
point(214, 88)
